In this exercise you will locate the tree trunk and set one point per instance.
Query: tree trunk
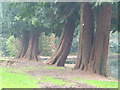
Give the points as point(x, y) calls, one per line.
point(86, 36)
point(62, 51)
point(24, 44)
point(98, 59)
point(32, 51)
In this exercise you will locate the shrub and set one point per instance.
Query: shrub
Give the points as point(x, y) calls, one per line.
point(47, 44)
point(113, 43)
point(12, 45)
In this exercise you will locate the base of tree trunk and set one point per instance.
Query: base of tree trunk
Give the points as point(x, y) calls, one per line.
point(97, 61)
point(62, 51)
point(32, 50)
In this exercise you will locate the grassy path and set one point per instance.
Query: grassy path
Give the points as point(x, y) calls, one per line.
point(43, 76)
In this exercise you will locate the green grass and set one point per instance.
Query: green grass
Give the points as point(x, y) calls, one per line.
point(17, 78)
point(55, 81)
point(97, 83)
point(13, 80)
point(51, 67)
point(6, 58)
point(0, 79)
point(13, 70)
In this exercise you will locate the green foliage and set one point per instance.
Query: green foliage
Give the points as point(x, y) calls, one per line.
point(46, 17)
point(2, 46)
point(47, 44)
point(75, 42)
point(12, 45)
point(113, 44)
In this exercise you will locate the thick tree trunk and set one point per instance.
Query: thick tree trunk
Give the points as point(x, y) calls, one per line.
point(62, 51)
point(93, 52)
point(86, 36)
point(98, 59)
point(32, 51)
point(24, 44)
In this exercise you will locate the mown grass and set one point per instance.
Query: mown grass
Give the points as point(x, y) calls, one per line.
point(6, 58)
point(52, 67)
point(56, 81)
point(97, 83)
point(15, 80)
point(12, 80)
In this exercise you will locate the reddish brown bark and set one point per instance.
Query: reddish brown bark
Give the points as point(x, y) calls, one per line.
point(92, 55)
point(24, 44)
point(32, 51)
point(62, 51)
point(98, 59)
point(86, 36)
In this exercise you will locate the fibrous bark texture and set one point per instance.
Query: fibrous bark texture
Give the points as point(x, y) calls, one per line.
point(93, 48)
point(98, 58)
point(63, 48)
point(32, 50)
point(86, 36)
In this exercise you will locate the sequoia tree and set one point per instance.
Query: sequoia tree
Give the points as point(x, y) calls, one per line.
point(23, 24)
point(60, 55)
point(63, 48)
point(99, 54)
point(93, 52)
point(86, 36)
point(32, 50)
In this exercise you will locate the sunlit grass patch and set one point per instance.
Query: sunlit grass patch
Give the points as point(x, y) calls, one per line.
point(11, 80)
point(13, 70)
point(15, 80)
point(0, 79)
point(52, 80)
point(97, 83)
point(53, 67)
point(6, 58)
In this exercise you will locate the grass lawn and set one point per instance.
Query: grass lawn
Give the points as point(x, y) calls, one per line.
point(17, 78)
point(97, 83)
point(6, 58)
point(56, 81)
point(14, 80)
point(51, 67)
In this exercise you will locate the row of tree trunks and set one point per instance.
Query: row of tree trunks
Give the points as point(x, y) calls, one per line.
point(98, 59)
point(93, 51)
point(86, 36)
point(62, 51)
point(29, 45)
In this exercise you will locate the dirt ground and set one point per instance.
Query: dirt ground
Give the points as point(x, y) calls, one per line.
point(63, 74)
